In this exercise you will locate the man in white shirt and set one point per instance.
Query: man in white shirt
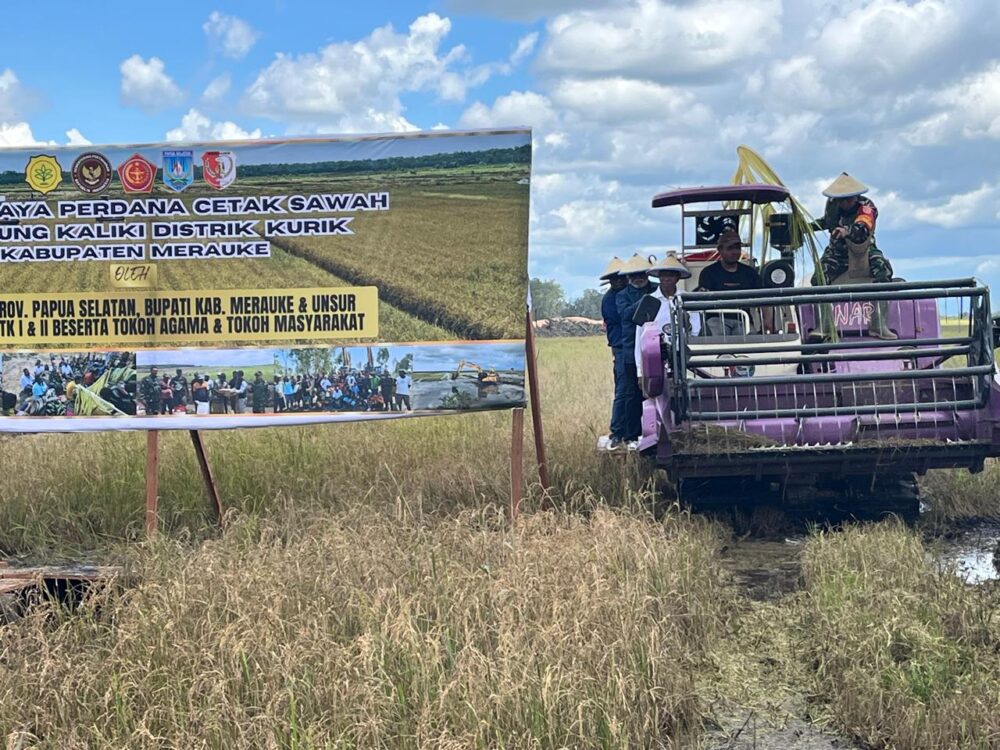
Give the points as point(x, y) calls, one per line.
point(403, 384)
point(669, 271)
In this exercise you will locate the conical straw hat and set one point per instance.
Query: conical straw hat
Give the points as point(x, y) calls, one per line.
point(613, 267)
point(671, 263)
point(636, 264)
point(845, 186)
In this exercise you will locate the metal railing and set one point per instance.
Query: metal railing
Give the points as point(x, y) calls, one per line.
point(715, 381)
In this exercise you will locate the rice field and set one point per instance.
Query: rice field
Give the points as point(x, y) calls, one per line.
point(370, 591)
point(448, 257)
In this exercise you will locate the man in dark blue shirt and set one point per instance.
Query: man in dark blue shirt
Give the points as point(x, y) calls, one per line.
point(613, 328)
point(628, 397)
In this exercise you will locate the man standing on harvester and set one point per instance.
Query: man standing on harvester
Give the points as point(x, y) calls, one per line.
point(850, 219)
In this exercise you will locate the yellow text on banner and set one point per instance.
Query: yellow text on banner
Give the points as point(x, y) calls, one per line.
point(207, 317)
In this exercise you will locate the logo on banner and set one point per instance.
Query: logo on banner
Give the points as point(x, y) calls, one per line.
point(92, 172)
point(219, 168)
point(178, 169)
point(43, 173)
point(137, 174)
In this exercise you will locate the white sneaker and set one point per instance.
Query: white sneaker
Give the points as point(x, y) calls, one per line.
point(632, 445)
point(602, 442)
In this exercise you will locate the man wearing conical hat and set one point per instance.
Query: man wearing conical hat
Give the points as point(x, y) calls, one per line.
point(628, 397)
point(613, 329)
point(850, 218)
point(669, 271)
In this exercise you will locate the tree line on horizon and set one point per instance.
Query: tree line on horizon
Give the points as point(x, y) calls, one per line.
point(549, 300)
point(454, 160)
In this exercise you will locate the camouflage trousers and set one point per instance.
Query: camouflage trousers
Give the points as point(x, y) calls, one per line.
point(834, 262)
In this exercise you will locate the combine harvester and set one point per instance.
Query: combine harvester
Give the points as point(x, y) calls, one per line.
point(820, 416)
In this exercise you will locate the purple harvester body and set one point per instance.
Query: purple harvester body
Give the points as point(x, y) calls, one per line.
point(822, 405)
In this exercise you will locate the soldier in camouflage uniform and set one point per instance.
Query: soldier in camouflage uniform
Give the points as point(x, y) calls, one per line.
point(149, 388)
point(850, 219)
point(848, 215)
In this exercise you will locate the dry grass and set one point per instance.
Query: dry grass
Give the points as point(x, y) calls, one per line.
point(72, 494)
point(370, 593)
point(904, 655)
point(365, 631)
point(956, 495)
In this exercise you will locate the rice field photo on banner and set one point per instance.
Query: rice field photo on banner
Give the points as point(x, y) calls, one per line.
point(146, 286)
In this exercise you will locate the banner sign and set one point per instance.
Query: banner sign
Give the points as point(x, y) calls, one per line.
point(200, 286)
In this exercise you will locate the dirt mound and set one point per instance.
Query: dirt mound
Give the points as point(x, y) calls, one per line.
point(571, 326)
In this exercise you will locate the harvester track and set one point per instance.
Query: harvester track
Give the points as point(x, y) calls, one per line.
point(825, 500)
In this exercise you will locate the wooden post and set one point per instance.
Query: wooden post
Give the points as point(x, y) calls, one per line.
point(206, 474)
point(536, 408)
point(152, 480)
point(516, 462)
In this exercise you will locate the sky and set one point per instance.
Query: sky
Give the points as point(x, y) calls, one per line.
point(626, 98)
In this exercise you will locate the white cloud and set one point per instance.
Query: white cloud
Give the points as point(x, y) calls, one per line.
point(526, 10)
point(369, 120)
point(556, 140)
point(16, 134)
point(75, 138)
point(970, 107)
point(989, 267)
point(197, 127)
point(661, 40)
point(525, 46)
point(351, 84)
point(622, 99)
point(147, 85)
point(963, 209)
point(235, 36)
point(887, 37)
point(14, 97)
point(789, 130)
point(217, 88)
point(516, 108)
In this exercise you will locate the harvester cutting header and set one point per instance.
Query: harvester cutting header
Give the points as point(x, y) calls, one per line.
point(753, 387)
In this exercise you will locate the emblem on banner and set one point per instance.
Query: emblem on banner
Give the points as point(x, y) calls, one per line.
point(92, 172)
point(178, 169)
point(43, 173)
point(137, 174)
point(219, 168)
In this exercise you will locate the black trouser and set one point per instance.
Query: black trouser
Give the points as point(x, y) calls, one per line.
point(631, 401)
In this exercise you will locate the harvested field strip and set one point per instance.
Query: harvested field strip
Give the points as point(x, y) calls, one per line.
point(457, 264)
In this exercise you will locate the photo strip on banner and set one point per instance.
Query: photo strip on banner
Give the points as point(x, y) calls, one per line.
point(192, 286)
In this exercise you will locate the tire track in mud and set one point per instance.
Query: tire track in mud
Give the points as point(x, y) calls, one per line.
point(423, 310)
point(769, 709)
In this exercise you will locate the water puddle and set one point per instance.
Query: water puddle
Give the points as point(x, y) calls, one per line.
point(972, 553)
